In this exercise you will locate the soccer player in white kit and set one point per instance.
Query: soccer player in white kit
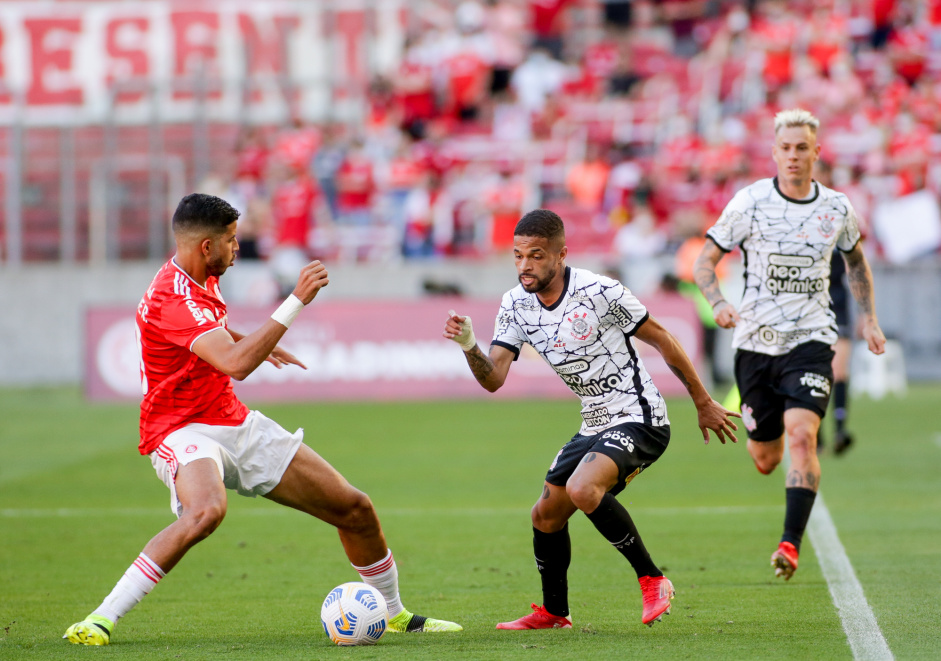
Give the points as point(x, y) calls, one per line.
point(202, 440)
point(787, 228)
point(583, 325)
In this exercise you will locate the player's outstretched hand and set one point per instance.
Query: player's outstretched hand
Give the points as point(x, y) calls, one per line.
point(460, 330)
point(726, 315)
point(716, 417)
point(312, 279)
point(279, 358)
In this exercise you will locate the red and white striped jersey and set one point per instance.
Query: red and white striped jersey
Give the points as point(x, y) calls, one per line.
point(180, 387)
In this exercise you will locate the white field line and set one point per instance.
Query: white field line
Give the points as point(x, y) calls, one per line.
point(68, 512)
point(859, 623)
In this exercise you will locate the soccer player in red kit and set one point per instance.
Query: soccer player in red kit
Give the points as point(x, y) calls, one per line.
point(202, 440)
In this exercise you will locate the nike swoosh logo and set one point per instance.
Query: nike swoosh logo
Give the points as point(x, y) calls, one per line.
point(817, 393)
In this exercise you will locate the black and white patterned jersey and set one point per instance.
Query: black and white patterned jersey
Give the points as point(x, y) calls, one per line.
point(787, 246)
point(586, 337)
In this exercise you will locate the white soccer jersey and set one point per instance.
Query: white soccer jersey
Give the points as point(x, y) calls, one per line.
point(586, 338)
point(787, 246)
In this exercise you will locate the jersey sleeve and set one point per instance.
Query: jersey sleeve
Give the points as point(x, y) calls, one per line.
point(733, 225)
point(850, 235)
point(506, 331)
point(182, 322)
point(624, 309)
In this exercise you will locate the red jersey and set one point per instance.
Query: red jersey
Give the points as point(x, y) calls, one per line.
point(180, 387)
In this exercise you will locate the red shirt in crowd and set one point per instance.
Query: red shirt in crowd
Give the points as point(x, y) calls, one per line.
point(180, 387)
point(292, 206)
point(355, 183)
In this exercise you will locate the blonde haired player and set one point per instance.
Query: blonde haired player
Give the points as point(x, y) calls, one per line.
point(787, 228)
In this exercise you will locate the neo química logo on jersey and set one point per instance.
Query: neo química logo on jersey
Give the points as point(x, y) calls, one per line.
point(783, 275)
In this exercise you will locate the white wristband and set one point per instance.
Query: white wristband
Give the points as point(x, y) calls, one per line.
point(287, 311)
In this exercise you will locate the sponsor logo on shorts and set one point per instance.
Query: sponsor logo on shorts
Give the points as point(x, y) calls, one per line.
point(556, 460)
point(815, 381)
point(618, 440)
point(783, 275)
point(190, 449)
point(748, 418)
point(596, 417)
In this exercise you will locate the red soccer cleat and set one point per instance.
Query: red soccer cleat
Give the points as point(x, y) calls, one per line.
point(540, 618)
point(657, 591)
point(784, 560)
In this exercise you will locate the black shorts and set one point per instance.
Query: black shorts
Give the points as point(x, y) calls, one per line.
point(632, 445)
point(769, 385)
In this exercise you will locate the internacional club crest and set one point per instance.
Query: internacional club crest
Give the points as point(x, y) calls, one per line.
point(581, 329)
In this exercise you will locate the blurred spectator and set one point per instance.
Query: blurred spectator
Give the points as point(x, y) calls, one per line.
point(292, 209)
point(548, 23)
point(429, 219)
point(504, 201)
point(586, 181)
point(355, 187)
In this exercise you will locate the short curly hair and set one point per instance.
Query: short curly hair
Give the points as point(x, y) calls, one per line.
point(542, 223)
point(199, 211)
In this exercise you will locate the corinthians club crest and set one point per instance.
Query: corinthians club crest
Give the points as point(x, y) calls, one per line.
point(826, 227)
point(581, 329)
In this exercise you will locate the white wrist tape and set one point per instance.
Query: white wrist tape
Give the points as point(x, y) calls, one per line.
point(287, 311)
point(466, 339)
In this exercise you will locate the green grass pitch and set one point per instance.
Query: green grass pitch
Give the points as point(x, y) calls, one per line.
point(453, 483)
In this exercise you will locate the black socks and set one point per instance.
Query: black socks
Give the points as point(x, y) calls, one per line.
point(612, 520)
point(799, 503)
point(553, 551)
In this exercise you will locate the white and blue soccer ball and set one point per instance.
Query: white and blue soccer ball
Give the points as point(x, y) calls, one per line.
point(354, 614)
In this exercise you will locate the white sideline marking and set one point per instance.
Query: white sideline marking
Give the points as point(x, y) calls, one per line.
point(64, 512)
point(859, 623)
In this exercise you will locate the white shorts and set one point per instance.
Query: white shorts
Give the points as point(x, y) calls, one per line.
point(251, 457)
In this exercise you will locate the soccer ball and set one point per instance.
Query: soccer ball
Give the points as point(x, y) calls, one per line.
point(354, 614)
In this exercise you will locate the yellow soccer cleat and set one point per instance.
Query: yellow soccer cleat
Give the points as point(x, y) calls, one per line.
point(406, 622)
point(93, 630)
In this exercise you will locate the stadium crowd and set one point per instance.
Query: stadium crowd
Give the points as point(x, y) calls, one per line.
point(635, 120)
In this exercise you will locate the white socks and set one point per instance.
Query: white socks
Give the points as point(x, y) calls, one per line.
point(137, 582)
point(384, 576)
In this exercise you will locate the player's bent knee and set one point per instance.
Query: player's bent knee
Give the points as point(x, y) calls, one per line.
point(546, 523)
point(202, 521)
point(359, 514)
point(585, 497)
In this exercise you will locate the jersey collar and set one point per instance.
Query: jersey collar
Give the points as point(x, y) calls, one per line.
point(796, 201)
point(179, 268)
point(565, 291)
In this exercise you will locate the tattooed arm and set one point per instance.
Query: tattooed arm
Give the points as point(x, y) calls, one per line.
point(704, 272)
point(711, 414)
point(490, 371)
point(860, 282)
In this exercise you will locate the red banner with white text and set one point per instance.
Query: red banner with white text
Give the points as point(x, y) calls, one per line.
point(82, 62)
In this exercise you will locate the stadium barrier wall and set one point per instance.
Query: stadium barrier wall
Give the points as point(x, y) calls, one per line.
point(372, 350)
point(43, 307)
